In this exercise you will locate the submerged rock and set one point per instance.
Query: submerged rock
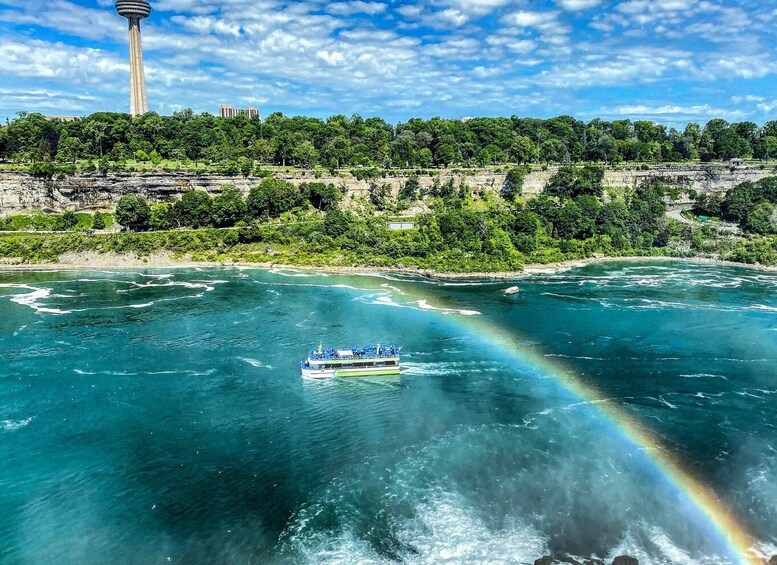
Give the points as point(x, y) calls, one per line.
point(625, 560)
point(558, 559)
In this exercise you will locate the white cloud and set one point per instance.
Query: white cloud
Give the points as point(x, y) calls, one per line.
point(578, 5)
point(356, 7)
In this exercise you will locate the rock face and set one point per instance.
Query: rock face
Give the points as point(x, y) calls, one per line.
point(773, 560)
point(22, 191)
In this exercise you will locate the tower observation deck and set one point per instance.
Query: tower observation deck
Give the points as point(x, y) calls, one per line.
point(134, 11)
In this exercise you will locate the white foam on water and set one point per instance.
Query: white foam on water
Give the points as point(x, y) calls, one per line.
point(294, 274)
point(576, 357)
point(661, 549)
point(703, 376)
point(255, 363)
point(310, 285)
point(140, 373)
point(156, 276)
point(392, 288)
point(764, 308)
point(424, 305)
point(12, 425)
point(32, 299)
point(445, 529)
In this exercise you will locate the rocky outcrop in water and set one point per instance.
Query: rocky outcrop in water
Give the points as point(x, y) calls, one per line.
point(22, 191)
point(559, 559)
point(773, 560)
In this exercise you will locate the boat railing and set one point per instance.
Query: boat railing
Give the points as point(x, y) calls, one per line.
point(357, 353)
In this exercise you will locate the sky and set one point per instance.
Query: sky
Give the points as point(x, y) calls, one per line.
point(671, 61)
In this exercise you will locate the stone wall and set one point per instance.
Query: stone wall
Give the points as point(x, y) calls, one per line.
point(21, 191)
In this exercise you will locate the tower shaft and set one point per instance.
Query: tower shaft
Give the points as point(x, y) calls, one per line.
point(138, 100)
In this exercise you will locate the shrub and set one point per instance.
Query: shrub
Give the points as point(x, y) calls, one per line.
point(98, 221)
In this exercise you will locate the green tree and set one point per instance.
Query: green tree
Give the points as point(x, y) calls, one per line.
point(66, 221)
point(272, 198)
point(228, 208)
point(571, 181)
point(70, 149)
point(98, 221)
point(524, 150)
point(739, 201)
point(195, 209)
point(133, 212)
point(762, 219)
point(410, 189)
point(337, 151)
point(380, 194)
point(162, 218)
point(513, 185)
point(337, 222)
point(323, 196)
point(305, 154)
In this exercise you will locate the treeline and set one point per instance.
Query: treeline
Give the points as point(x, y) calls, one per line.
point(197, 209)
point(341, 141)
point(752, 205)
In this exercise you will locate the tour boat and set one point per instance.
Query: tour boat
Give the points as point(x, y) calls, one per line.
point(371, 361)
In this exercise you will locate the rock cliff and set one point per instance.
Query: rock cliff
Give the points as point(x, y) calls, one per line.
point(22, 191)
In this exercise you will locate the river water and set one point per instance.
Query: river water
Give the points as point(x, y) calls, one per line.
point(159, 416)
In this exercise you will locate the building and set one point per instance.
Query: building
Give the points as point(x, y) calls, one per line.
point(230, 112)
point(134, 11)
point(64, 118)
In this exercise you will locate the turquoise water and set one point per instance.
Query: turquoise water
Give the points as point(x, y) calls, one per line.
point(160, 416)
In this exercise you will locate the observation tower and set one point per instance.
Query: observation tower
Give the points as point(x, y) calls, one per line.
point(134, 11)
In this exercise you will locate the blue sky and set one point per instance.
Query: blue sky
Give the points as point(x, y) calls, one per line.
point(668, 60)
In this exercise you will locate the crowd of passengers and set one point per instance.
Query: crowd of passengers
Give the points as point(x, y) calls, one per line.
point(358, 353)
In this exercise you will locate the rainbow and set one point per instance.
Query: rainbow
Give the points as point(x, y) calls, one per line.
point(725, 530)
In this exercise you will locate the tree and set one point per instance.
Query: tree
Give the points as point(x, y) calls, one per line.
point(263, 150)
point(194, 209)
point(98, 221)
point(739, 201)
point(66, 221)
point(710, 205)
point(762, 219)
point(571, 181)
point(272, 198)
point(513, 185)
point(728, 145)
point(133, 212)
point(305, 154)
point(337, 151)
point(410, 190)
point(523, 150)
point(228, 208)
point(380, 194)
point(162, 218)
point(323, 196)
point(337, 222)
point(70, 149)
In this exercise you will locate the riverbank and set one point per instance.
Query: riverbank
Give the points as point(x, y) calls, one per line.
point(165, 260)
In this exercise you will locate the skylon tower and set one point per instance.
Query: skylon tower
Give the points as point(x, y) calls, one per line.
point(134, 11)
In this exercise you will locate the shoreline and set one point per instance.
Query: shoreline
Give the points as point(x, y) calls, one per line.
point(117, 262)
